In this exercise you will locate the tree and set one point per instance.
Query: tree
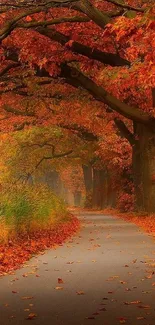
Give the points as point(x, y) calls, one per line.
point(99, 30)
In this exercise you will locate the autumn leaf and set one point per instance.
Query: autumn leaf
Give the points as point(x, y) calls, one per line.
point(31, 316)
point(122, 320)
point(80, 293)
point(27, 297)
point(28, 19)
point(69, 262)
point(59, 288)
point(134, 261)
point(144, 307)
point(60, 280)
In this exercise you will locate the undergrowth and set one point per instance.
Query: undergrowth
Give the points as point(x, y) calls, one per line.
point(26, 208)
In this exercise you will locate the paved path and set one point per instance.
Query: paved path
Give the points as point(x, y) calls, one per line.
point(107, 271)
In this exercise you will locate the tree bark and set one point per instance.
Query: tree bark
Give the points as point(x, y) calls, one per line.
point(88, 180)
point(77, 198)
point(96, 189)
point(100, 188)
point(144, 168)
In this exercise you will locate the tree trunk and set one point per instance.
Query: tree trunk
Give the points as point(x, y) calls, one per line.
point(88, 180)
point(96, 186)
point(77, 198)
point(103, 188)
point(111, 192)
point(99, 188)
point(144, 168)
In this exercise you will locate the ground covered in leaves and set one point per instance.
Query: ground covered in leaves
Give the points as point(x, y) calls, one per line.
point(147, 222)
point(18, 251)
point(103, 275)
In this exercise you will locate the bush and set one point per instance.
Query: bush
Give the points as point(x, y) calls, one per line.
point(27, 208)
point(125, 202)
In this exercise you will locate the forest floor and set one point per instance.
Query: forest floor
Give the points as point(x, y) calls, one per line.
point(104, 275)
point(21, 248)
point(147, 222)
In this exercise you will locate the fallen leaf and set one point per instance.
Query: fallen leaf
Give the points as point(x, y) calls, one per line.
point(148, 277)
point(60, 280)
point(31, 316)
point(80, 293)
point(59, 288)
point(69, 262)
point(134, 261)
point(122, 320)
point(27, 298)
point(144, 306)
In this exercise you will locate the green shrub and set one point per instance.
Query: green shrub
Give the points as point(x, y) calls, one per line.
point(25, 208)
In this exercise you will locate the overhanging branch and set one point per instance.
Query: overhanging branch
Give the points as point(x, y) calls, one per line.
point(124, 131)
point(126, 6)
point(54, 156)
point(133, 113)
point(92, 53)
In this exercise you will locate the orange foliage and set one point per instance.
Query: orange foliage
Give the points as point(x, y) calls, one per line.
point(142, 220)
point(21, 249)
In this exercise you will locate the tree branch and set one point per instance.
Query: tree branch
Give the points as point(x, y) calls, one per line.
point(53, 157)
point(17, 112)
point(101, 19)
point(132, 113)
point(14, 23)
point(104, 57)
point(125, 131)
point(9, 67)
point(153, 96)
point(126, 6)
point(82, 131)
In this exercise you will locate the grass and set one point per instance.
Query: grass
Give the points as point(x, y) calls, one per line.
point(32, 219)
point(26, 209)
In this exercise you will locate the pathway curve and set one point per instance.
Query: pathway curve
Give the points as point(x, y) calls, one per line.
point(108, 274)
